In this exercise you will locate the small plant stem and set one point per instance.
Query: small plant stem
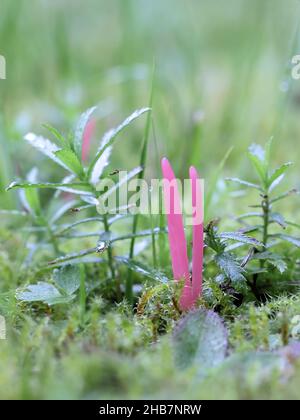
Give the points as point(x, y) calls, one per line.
point(265, 205)
point(266, 212)
point(109, 250)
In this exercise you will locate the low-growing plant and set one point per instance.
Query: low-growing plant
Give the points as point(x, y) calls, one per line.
point(258, 270)
point(267, 252)
point(68, 152)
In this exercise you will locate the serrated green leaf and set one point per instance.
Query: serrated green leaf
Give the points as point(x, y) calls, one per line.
point(239, 237)
point(43, 292)
point(280, 265)
point(231, 268)
point(142, 269)
point(277, 173)
point(70, 159)
point(200, 339)
point(271, 258)
point(79, 130)
point(265, 255)
point(68, 278)
point(46, 147)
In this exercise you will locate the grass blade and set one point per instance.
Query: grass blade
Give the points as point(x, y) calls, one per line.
point(143, 158)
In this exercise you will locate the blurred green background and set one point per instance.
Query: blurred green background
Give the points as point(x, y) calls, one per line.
point(222, 77)
point(222, 80)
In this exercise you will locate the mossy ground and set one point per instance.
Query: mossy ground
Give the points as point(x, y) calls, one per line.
point(113, 353)
point(222, 80)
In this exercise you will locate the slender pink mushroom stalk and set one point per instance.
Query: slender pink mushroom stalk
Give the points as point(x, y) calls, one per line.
point(87, 136)
point(198, 245)
point(177, 240)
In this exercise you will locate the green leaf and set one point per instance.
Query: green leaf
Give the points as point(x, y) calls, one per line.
point(250, 229)
point(68, 278)
point(33, 201)
point(141, 234)
point(69, 158)
point(143, 269)
point(278, 218)
point(100, 165)
point(56, 134)
point(276, 174)
point(200, 339)
point(279, 264)
point(256, 155)
point(109, 137)
point(74, 187)
point(271, 258)
point(79, 131)
point(244, 183)
point(296, 225)
point(73, 256)
point(231, 268)
point(66, 228)
point(291, 239)
point(240, 237)
point(284, 195)
point(250, 214)
point(43, 292)
point(31, 197)
point(46, 147)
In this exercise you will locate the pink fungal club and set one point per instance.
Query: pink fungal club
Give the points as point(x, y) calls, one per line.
point(192, 289)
